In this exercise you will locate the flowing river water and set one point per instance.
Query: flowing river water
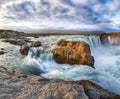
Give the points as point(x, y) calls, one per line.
point(107, 62)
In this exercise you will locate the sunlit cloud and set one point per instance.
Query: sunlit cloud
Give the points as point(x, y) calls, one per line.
point(60, 14)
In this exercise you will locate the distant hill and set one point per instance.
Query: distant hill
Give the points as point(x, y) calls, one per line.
point(58, 31)
point(45, 32)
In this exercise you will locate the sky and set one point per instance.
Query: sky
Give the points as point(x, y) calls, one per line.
point(60, 14)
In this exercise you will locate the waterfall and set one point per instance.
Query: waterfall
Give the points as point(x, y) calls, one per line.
point(93, 41)
point(44, 65)
point(114, 40)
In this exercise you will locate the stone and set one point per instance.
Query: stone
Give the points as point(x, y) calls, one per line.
point(17, 85)
point(2, 52)
point(73, 53)
point(24, 48)
point(36, 44)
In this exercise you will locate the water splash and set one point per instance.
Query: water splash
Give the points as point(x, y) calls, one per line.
point(48, 68)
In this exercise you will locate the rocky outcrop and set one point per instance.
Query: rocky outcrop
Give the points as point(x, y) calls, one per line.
point(114, 39)
point(2, 52)
point(36, 44)
point(110, 39)
point(17, 41)
point(73, 53)
point(24, 48)
point(11, 34)
point(104, 39)
point(16, 85)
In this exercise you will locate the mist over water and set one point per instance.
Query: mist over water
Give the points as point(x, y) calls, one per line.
point(107, 63)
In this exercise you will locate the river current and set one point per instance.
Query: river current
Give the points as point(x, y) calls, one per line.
point(107, 62)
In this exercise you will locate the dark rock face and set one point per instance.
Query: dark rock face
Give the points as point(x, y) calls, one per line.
point(2, 49)
point(104, 39)
point(36, 44)
point(110, 39)
point(2, 52)
point(73, 53)
point(16, 85)
point(24, 48)
point(17, 41)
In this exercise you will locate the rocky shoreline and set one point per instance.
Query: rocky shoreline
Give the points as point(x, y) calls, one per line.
point(15, 85)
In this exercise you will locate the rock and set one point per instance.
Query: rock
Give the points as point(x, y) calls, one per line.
point(2, 49)
point(11, 34)
point(62, 42)
point(24, 48)
point(36, 44)
point(110, 39)
point(16, 41)
point(73, 53)
point(2, 52)
point(17, 85)
point(104, 39)
point(94, 91)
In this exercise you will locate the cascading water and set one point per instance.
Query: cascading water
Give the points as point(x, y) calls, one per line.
point(45, 66)
point(106, 72)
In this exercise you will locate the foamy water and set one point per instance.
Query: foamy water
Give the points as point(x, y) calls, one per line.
point(107, 63)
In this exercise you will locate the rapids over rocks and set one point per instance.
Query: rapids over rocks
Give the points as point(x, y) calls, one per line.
point(107, 63)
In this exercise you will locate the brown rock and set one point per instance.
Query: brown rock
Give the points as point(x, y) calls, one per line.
point(36, 44)
point(24, 48)
point(73, 53)
point(62, 42)
point(16, 85)
point(94, 91)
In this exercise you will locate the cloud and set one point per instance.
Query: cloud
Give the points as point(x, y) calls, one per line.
point(65, 14)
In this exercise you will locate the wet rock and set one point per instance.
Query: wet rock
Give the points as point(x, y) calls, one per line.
point(24, 48)
point(36, 44)
point(2, 49)
point(2, 52)
point(15, 41)
point(94, 91)
point(104, 39)
point(17, 85)
point(73, 53)
point(62, 42)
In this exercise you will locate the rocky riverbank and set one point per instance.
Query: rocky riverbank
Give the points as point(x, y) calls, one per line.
point(15, 85)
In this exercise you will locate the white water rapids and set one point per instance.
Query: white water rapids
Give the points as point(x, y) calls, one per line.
point(107, 64)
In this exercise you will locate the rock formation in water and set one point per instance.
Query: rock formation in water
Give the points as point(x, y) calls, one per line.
point(18, 41)
point(2, 52)
point(15, 85)
point(36, 44)
point(24, 48)
point(73, 53)
point(110, 38)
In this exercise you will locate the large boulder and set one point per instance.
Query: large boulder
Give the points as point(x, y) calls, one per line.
point(24, 48)
point(73, 53)
point(36, 44)
point(104, 39)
